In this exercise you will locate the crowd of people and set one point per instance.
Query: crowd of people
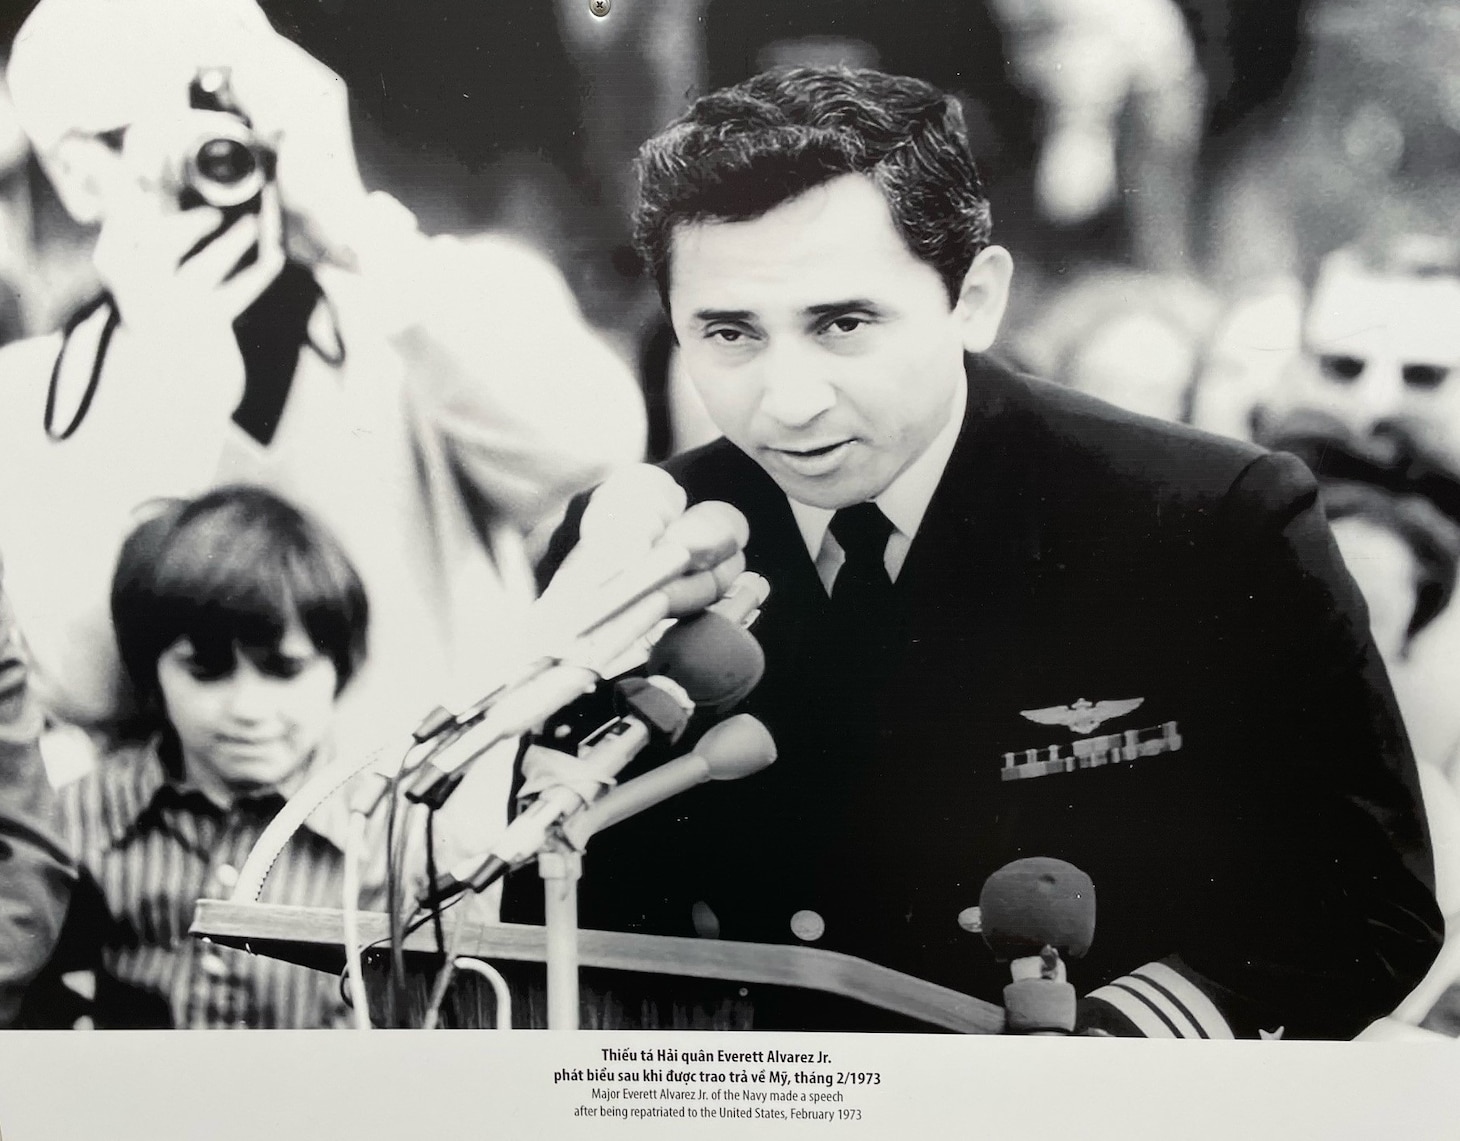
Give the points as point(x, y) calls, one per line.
point(285, 467)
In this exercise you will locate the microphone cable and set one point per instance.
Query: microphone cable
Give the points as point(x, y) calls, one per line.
point(431, 878)
point(350, 910)
point(431, 736)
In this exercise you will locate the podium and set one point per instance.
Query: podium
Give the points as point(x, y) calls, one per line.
point(627, 981)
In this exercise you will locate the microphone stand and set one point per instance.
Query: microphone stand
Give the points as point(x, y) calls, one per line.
point(730, 750)
point(560, 866)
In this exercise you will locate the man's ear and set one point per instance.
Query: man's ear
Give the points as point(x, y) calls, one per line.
point(81, 167)
point(984, 296)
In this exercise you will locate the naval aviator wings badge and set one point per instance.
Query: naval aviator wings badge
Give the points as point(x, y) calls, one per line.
point(1083, 716)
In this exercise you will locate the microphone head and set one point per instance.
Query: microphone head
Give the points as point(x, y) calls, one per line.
point(653, 701)
point(717, 661)
point(1038, 902)
point(736, 747)
point(633, 505)
point(711, 532)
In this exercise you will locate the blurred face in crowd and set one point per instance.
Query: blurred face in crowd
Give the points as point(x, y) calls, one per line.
point(1384, 347)
point(253, 719)
point(1138, 362)
point(821, 346)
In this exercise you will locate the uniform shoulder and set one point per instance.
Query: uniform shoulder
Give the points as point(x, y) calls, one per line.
point(718, 470)
point(1078, 438)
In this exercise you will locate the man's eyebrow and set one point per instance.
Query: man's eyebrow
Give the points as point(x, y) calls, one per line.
point(708, 315)
point(851, 305)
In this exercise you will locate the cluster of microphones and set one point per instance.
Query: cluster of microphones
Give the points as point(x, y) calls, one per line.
point(706, 660)
point(1037, 913)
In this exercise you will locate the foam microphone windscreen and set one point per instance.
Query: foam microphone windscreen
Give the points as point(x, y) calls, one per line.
point(1038, 902)
point(716, 660)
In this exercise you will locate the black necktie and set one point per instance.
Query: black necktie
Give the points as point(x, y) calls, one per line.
point(857, 653)
point(862, 582)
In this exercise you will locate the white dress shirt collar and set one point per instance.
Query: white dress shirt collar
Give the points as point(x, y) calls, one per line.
point(905, 502)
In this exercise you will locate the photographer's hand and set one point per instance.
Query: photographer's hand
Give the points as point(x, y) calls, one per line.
point(301, 109)
point(182, 274)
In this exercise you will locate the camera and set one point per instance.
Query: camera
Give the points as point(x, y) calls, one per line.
point(223, 163)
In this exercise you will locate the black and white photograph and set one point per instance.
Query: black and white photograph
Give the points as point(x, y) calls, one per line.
point(794, 541)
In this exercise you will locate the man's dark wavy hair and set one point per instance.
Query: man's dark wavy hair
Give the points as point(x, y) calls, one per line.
point(741, 151)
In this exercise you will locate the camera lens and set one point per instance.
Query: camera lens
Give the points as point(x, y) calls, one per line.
point(226, 166)
point(225, 162)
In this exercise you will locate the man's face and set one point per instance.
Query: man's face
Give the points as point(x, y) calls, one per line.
point(1383, 348)
point(253, 721)
point(821, 346)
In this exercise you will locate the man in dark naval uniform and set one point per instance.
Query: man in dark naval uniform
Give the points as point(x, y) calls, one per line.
point(1006, 619)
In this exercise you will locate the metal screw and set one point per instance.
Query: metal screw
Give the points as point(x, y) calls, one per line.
point(599, 7)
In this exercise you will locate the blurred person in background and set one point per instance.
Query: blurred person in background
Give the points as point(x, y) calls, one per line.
point(1403, 552)
point(36, 872)
point(267, 320)
point(1360, 382)
point(1381, 343)
point(1131, 338)
point(1254, 342)
point(1121, 103)
point(1366, 130)
point(1377, 369)
point(45, 262)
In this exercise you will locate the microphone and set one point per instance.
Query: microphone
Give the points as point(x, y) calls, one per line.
point(725, 664)
point(1036, 913)
point(628, 511)
point(710, 653)
point(658, 708)
point(617, 612)
point(735, 748)
point(701, 539)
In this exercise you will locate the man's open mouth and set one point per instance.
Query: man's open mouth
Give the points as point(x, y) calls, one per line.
point(812, 453)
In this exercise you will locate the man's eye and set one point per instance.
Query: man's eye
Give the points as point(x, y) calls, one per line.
point(727, 336)
point(845, 324)
point(1424, 375)
point(1340, 368)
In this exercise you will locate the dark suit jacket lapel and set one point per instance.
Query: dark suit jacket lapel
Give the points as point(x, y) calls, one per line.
point(980, 535)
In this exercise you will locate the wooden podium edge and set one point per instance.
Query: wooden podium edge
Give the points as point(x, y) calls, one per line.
point(314, 936)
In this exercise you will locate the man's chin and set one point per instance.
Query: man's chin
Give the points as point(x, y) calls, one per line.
point(830, 495)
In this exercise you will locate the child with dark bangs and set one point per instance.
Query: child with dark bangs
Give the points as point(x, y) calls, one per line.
point(240, 621)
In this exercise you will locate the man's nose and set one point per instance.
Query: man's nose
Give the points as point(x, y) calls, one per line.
point(1378, 395)
point(794, 390)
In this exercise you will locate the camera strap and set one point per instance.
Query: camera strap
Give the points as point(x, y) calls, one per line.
point(271, 334)
point(68, 331)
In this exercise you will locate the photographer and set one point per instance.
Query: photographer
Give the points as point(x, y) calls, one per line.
point(268, 321)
